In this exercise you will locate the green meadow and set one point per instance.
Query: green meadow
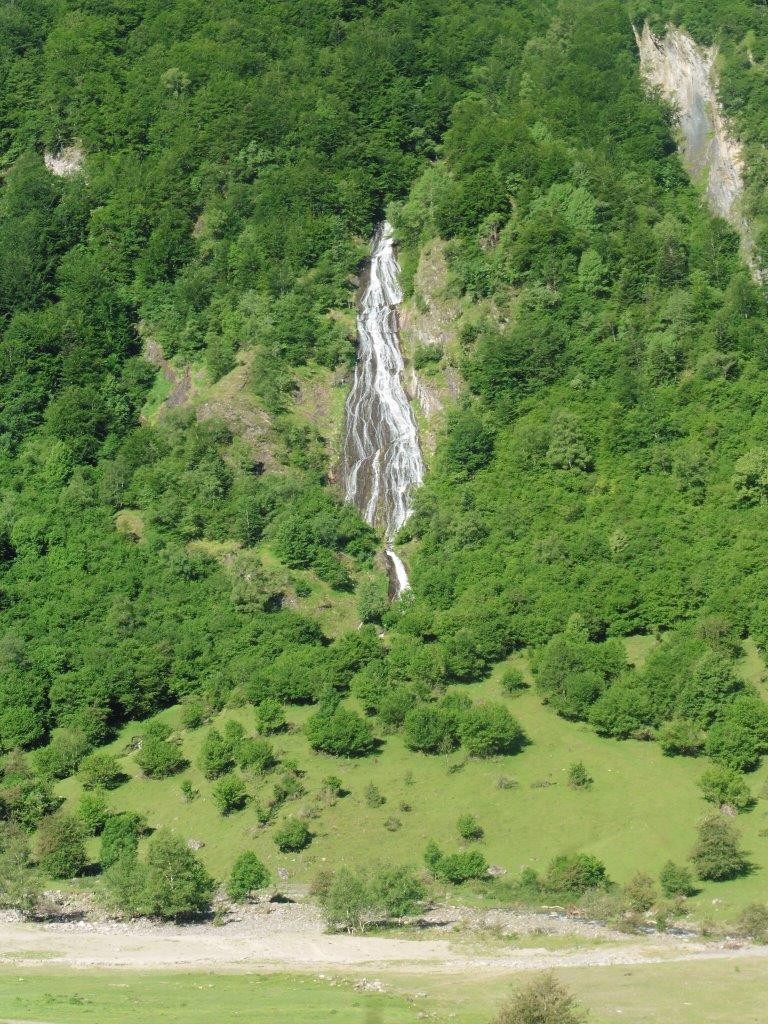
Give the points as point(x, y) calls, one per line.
point(640, 811)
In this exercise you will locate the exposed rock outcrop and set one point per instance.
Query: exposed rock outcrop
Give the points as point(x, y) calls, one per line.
point(66, 162)
point(686, 75)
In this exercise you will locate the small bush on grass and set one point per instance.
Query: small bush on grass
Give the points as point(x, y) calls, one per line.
point(230, 794)
point(676, 880)
point(513, 682)
point(249, 874)
point(722, 785)
point(469, 827)
point(578, 776)
point(101, 771)
point(543, 1001)
point(93, 811)
point(572, 874)
point(640, 893)
point(293, 836)
point(160, 758)
point(373, 796)
point(753, 922)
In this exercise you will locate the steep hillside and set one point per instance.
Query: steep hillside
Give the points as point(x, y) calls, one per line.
point(188, 193)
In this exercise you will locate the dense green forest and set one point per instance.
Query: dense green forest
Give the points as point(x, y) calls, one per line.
point(604, 474)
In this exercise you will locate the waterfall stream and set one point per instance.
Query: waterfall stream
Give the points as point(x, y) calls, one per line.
point(381, 460)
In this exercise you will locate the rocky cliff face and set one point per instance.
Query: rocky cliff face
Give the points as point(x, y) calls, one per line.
point(685, 74)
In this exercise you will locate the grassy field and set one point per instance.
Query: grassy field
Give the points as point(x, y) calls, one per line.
point(716, 992)
point(641, 810)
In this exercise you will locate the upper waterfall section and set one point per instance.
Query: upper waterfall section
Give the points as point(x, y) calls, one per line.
point(381, 459)
point(686, 76)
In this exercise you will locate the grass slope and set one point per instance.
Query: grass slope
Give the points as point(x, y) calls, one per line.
point(640, 812)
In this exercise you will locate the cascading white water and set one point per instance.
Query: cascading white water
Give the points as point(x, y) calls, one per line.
point(381, 461)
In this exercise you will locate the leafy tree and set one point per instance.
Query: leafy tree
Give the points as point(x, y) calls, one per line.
point(160, 758)
point(458, 867)
point(681, 737)
point(346, 901)
point(177, 886)
point(640, 892)
point(248, 876)
point(60, 846)
point(19, 884)
point(489, 729)
point(717, 855)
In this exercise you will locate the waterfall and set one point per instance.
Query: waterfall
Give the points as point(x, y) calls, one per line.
point(381, 461)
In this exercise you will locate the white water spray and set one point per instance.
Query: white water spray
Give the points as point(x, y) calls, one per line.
point(381, 462)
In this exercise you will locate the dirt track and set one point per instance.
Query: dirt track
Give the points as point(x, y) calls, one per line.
point(291, 938)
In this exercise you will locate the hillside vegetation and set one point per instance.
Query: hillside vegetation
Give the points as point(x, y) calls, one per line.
point(195, 628)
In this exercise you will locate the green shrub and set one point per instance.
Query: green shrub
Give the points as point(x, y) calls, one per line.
point(373, 795)
point(270, 716)
point(640, 892)
point(60, 846)
point(248, 875)
point(256, 754)
point(160, 758)
point(512, 681)
point(430, 729)
point(454, 867)
point(120, 837)
point(193, 713)
point(681, 737)
point(753, 922)
point(230, 794)
point(717, 855)
point(216, 755)
point(469, 827)
point(489, 729)
point(176, 886)
point(574, 874)
point(676, 880)
point(578, 776)
point(722, 785)
point(101, 771)
point(340, 732)
point(63, 754)
point(293, 836)
point(397, 891)
point(345, 899)
point(542, 1001)
point(93, 811)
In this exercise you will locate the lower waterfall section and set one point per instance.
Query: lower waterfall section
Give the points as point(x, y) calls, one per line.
point(381, 458)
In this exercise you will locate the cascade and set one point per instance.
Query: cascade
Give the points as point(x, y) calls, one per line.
point(381, 458)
